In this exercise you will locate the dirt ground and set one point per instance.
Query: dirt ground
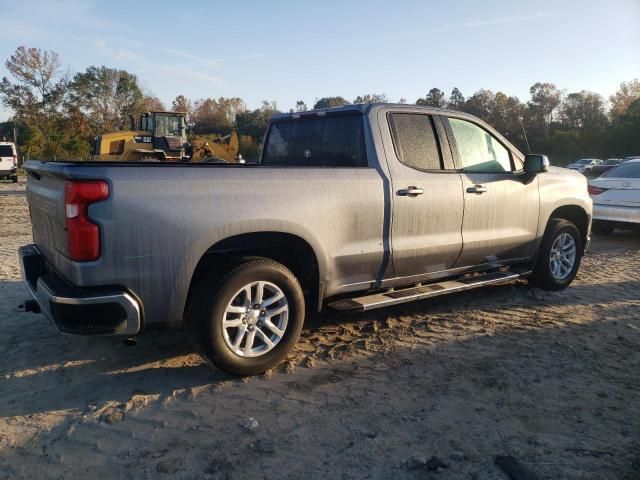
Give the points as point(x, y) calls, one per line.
point(551, 379)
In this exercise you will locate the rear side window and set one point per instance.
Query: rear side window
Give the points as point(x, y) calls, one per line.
point(328, 141)
point(624, 170)
point(479, 151)
point(6, 151)
point(415, 141)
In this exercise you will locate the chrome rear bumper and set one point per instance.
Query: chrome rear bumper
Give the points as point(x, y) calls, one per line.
point(74, 310)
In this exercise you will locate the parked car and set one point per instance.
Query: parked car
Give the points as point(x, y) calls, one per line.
point(616, 198)
point(351, 208)
point(626, 159)
point(584, 164)
point(608, 164)
point(8, 162)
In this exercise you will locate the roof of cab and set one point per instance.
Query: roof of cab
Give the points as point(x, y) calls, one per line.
point(362, 108)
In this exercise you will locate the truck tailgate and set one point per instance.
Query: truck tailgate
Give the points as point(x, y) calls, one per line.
point(45, 194)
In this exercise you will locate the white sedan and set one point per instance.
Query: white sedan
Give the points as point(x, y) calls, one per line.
point(616, 198)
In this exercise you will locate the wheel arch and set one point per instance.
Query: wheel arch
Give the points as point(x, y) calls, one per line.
point(291, 250)
point(576, 215)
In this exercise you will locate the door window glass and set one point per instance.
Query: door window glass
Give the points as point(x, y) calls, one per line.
point(479, 151)
point(415, 141)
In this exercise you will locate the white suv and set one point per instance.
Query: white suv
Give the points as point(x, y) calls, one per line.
point(8, 162)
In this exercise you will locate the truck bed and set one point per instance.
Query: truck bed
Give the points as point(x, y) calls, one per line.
point(161, 218)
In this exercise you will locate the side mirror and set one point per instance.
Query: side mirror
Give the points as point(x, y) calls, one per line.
point(536, 163)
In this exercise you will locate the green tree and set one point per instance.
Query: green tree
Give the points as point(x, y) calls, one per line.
point(181, 104)
point(435, 98)
point(149, 103)
point(583, 112)
point(480, 104)
point(627, 93)
point(456, 100)
point(254, 122)
point(216, 116)
point(301, 106)
point(107, 96)
point(36, 93)
point(504, 115)
point(330, 102)
point(371, 98)
point(624, 137)
point(544, 103)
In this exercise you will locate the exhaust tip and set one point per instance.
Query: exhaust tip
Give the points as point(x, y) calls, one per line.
point(130, 342)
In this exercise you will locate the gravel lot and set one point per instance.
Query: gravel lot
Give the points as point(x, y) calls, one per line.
point(551, 379)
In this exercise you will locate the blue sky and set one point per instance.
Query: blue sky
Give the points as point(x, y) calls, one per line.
point(290, 50)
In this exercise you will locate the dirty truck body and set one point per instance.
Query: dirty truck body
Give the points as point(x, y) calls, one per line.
point(356, 208)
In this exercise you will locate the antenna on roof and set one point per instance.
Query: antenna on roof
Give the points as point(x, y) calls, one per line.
point(525, 134)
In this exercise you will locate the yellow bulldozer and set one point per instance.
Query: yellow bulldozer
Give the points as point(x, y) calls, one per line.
point(162, 136)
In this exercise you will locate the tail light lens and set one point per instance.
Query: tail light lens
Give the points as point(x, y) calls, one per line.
point(83, 236)
point(15, 160)
point(595, 190)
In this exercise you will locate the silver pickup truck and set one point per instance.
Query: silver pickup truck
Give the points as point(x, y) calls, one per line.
point(351, 208)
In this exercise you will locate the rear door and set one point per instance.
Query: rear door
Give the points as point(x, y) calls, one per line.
point(426, 195)
point(501, 202)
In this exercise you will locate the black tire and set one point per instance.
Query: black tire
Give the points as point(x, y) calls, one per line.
point(206, 314)
point(542, 275)
point(14, 179)
point(601, 228)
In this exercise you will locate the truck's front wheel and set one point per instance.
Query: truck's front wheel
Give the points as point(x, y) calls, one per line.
point(559, 256)
point(248, 320)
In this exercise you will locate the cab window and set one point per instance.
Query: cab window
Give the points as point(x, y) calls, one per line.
point(319, 141)
point(167, 126)
point(478, 150)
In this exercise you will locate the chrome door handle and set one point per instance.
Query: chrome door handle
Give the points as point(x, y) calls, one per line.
point(477, 189)
point(410, 192)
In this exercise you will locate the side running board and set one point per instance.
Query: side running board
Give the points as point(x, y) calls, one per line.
point(420, 292)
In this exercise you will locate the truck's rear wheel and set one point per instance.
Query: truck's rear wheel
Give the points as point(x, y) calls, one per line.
point(559, 256)
point(248, 320)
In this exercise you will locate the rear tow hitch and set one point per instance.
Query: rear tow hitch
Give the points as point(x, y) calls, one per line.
point(31, 306)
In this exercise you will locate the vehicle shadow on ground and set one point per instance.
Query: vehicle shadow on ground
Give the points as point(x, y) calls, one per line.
point(616, 241)
point(44, 371)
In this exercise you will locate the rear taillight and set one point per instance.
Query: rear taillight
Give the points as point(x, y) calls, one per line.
point(83, 236)
point(15, 160)
point(595, 190)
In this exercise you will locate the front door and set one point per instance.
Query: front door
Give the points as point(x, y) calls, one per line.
point(426, 198)
point(501, 203)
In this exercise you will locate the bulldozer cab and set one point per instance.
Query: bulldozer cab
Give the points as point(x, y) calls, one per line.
point(164, 124)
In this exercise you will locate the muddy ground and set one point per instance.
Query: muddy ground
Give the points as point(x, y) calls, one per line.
point(551, 379)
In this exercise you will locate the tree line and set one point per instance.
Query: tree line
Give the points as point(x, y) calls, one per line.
point(57, 114)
